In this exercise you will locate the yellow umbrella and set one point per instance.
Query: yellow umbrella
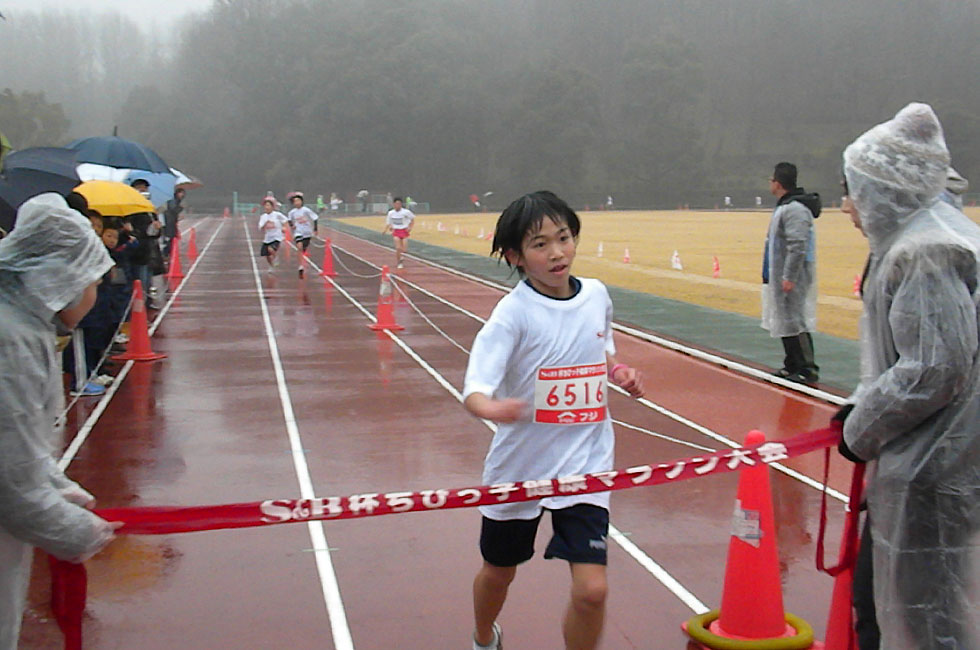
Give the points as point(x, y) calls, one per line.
point(113, 199)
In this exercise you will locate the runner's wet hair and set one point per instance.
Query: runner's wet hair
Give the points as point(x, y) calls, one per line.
point(524, 216)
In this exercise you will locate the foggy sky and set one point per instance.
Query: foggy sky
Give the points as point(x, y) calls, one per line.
point(153, 15)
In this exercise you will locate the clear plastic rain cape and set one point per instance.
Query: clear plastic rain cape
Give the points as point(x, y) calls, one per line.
point(917, 409)
point(50, 257)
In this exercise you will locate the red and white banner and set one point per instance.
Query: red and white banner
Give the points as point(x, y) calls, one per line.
point(160, 520)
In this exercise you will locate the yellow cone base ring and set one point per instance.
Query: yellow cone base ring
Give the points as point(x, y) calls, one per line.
point(697, 629)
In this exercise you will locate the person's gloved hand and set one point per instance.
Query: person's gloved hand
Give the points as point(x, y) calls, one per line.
point(838, 420)
point(846, 452)
point(842, 414)
point(105, 532)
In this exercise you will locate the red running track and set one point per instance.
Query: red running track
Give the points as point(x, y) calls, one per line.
point(212, 424)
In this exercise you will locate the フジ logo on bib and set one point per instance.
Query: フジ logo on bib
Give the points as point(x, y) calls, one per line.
point(571, 394)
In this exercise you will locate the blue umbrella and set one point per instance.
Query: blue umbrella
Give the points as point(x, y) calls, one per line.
point(51, 160)
point(161, 185)
point(118, 152)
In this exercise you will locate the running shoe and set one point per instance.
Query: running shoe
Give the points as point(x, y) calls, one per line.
point(91, 389)
point(104, 380)
point(496, 644)
point(301, 273)
point(401, 265)
point(121, 338)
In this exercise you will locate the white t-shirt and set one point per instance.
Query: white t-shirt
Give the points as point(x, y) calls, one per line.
point(551, 354)
point(399, 219)
point(302, 219)
point(271, 224)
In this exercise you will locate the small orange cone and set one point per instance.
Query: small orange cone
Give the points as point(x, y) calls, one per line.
point(287, 237)
point(138, 348)
point(386, 316)
point(226, 213)
point(752, 600)
point(716, 268)
point(856, 287)
point(192, 245)
point(174, 274)
point(327, 270)
point(626, 256)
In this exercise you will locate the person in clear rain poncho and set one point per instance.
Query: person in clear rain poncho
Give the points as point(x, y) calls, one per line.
point(789, 274)
point(916, 411)
point(50, 266)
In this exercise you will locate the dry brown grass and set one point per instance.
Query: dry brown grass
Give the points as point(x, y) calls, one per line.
point(736, 238)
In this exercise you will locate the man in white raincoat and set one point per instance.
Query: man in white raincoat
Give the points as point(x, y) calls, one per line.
point(50, 265)
point(789, 274)
point(916, 412)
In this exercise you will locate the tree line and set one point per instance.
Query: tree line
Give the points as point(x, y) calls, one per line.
point(655, 102)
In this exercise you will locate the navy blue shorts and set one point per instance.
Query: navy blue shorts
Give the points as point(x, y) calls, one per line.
point(579, 536)
point(269, 246)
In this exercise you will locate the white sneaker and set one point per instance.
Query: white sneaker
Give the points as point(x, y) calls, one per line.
point(104, 380)
point(496, 644)
point(121, 338)
point(401, 265)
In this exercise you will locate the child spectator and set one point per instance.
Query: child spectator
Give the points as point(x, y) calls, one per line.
point(550, 321)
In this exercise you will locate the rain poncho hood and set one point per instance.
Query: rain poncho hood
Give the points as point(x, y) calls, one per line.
point(790, 254)
point(917, 408)
point(45, 264)
point(54, 252)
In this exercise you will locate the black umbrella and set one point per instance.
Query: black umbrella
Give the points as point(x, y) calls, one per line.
point(118, 152)
point(53, 160)
point(34, 171)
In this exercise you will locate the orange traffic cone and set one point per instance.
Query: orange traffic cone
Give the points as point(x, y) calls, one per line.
point(138, 348)
point(716, 268)
point(192, 245)
point(327, 270)
point(386, 316)
point(226, 213)
point(752, 600)
point(287, 237)
point(174, 274)
point(626, 256)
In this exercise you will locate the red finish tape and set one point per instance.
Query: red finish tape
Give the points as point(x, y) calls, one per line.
point(161, 520)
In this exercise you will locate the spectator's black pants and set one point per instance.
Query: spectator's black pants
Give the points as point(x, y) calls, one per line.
point(799, 354)
point(863, 594)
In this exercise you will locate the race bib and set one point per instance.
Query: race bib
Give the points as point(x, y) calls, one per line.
point(570, 395)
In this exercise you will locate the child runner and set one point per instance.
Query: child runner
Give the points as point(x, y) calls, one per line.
point(539, 368)
point(270, 224)
point(303, 221)
point(399, 222)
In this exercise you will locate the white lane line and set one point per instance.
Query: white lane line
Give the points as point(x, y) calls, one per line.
point(840, 496)
point(321, 551)
point(82, 434)
point(646, 336)
point(634, 551)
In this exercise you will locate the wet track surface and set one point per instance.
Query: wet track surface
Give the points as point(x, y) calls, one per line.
point(207, 426)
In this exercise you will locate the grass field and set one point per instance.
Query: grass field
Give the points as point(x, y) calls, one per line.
point(736, 238)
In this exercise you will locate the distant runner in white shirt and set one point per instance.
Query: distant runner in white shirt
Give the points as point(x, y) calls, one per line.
point(303, 221)
point(399, 222)
point(270, 224)
point(539, 368)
